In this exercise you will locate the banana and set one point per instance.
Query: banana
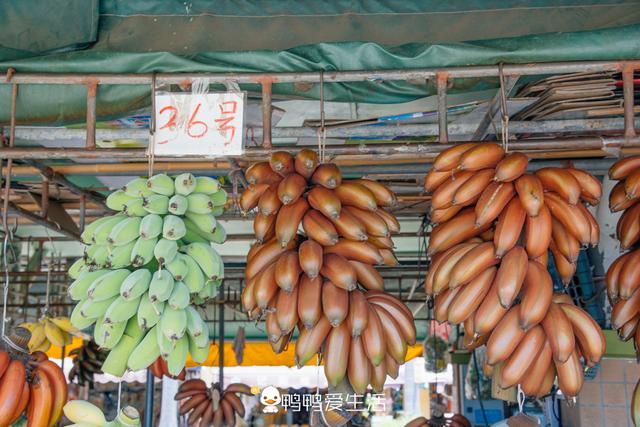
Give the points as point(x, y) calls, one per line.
point(203, 222)
point(383, 195)
point(377, 376)
point(94, 309)
point(335, 354)
point(200, 203)
point(511, 167)
point(178, 267)
point(531, 193)
point(78, 319)
point(624, 167)
point(96, 255)
point(335, 303)
point(628, 229)
point(443, 301)
point(107, 335)
point(173, 324)
point(178, 357)
point(327, 175)
point(180, 295)
point(618, 199)
point(439, 216)
point(305, 163)
point(568, 245)
point(625, 310)
point(450, 258)
point(355, 251)
point(358, 313)
point(469, 298)
point(219, 200)
point(373, 339)
point(121, 310)
point(287, 272)
point(156, 204)
point(310, 340)
point(173, 227)
point(398, 311)
point(178, 204)
point(492, 201)
point(290, 188)
point(337, 269)
point(288, 219)
point(134, 208)
point(537, 291)
point(434, 179)
point(150, 227)
point(161, 184)
point(194, 278)
point(570, 377)
point(450, 159)
point(524, 356)
point(142, 252)
point(282, 162)
point(310, 257)
point(77, 268)
point(505, 337)
point(274, 333)
point(102, 232)
point(562, 182)
point(198, 354)
point(319, 228)
point(632, 185)
point(559, 333)
point(261, 172)
point(590, 186)
point(108, 285)
point(482, 156)
point(161, 286)
point(38, 335)
point(264, 227)
point(454, 231)
point(266, 255)
point(287, 310)
point(117, 200)
point(124, 231)
point(165, 251)
point(509, 227)
point(269, 203)
point(149, 312)
point(88, 234)
point(81, 411)
point(116, 362)
point(534, 375)
point(206, 185)
point(357, 195)
point(58, 390)
point(570, 217)
point(146, 352)
point(587, 332)
point(79, 287)
point(367, 276)
point(472, 263)
point(511, 275)
point(310, 300)
point(443, 196)
point(629, 277)
point(613, 275)
point(325, 201)
point(538, 233)
point(470, 190)
point(565, 268)
point(184, 184)
point(120, 256)
point(396, 347)
point(196, 327)
point(207, 258)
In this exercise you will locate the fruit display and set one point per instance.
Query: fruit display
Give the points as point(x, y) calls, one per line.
point(49, 331)
point(31, 385)
point(494, 225)
point(146, 267)
point(206, 406)
point(87, 362)
point(85, 414)
point(455, 420)
point(623, 275)
point(319, 238)
point(160, 369)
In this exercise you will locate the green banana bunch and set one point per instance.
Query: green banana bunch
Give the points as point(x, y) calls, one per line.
point(146, 267)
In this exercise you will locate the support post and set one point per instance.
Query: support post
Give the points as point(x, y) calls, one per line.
point(221, 336)
point(45, 197)
point(148, 401)
point(83, 212)
point(266, 114)
point(92, 89)
point(627, 86)
point(441, 84)
point(37, 219)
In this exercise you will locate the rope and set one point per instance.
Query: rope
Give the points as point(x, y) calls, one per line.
point(521, 398)
point(152, 127)
point(504, 110)
point(322, 132)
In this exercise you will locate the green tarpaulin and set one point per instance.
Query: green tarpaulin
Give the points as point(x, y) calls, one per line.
point(140, 36)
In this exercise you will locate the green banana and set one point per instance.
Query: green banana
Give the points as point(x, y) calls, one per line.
point(142, 252)
point(161, 286)
point(96, 255)
point(149, 312)
point(165, 250)
point(91, 308)
point(121, 310)
point(178, 267)
point(101, 235)
point(199, 203)
point(146, 352)
point(206, 185)
point(204, 222)
point(184, 184)
point(120, 256)
point(77, 268)
point(150, 226)
point(117, 200)
point(198, 354)
point(173, 323)
point(79, 288)
point(107, 335)
point(194, 279)
point(134, 207)
point(125, 231)
point(137, 187)
point(207, 258)
point(210, 290)
point(156, 204)
point(161, 184)
point(80, 321)
point(165, 344)
point(116, 362)
point(178, 357)
point(178, 204)
point(136, 284)
point(173, 227)
point(219, 235)
point(107, 285)
point(192, 236)
point(179, 298)
point(90, 229)
point(197, 328)
point(219, 198)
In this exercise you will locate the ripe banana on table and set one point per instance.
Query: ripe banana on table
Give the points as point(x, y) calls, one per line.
point(324, 280)
point(494, 225)
point(47, 331)
point(87, 362)
point(85, 414)
point(146, 267)
point(204, 406)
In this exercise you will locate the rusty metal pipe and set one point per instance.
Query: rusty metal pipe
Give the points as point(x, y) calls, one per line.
point(266, 114)
point(92, 89)
point(441, 86)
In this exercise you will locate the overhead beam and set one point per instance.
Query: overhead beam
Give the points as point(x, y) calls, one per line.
point(13, 208)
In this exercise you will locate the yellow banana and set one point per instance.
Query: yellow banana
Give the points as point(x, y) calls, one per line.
point(53, 333)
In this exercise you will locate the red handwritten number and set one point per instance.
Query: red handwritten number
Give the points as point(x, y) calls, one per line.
point(223, 126)
point(172, 119)
point(232, 110)
point(192, 123)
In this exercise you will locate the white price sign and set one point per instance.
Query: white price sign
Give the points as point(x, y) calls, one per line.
point(208, 124)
